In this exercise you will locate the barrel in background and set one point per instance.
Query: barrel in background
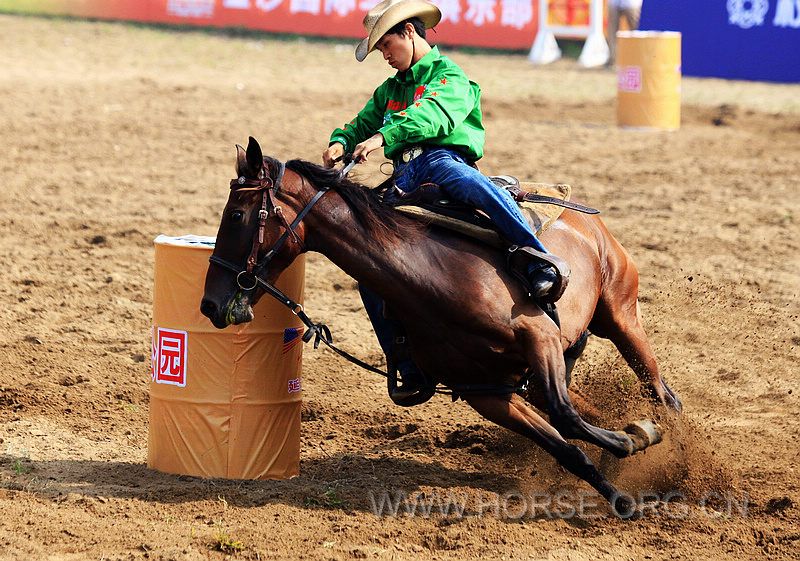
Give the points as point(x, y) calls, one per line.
point(649, 79)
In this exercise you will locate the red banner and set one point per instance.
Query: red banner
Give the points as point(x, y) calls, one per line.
point(509, 24)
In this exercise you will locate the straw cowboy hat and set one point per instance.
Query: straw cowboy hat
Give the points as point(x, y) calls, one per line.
point(388, 13)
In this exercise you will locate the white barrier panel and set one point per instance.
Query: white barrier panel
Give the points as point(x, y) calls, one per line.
point(595, 49)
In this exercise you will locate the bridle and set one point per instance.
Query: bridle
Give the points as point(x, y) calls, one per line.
point(251, 274)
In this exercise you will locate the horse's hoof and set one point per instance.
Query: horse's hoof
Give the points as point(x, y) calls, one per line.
point(674, 402)
point(625, 507)
point(644, 433)
point(670, 399)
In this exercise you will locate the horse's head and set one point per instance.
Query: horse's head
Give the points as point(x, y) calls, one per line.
point(255, 242)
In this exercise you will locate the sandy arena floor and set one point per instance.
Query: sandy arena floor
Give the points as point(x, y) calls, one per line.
point(112, 134)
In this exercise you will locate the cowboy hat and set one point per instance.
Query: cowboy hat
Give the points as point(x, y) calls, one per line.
point(389, 13)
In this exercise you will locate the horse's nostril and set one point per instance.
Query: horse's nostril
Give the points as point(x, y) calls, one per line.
point(208, 308)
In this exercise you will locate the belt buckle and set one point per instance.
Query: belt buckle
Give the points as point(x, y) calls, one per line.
point(411, 153)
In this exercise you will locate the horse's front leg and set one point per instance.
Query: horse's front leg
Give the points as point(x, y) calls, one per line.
point(546, 360)
point(511, 412)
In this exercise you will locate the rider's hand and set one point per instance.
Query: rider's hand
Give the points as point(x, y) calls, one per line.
point(332, 154)
point(368, 146)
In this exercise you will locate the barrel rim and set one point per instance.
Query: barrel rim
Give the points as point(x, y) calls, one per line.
point(187, 240)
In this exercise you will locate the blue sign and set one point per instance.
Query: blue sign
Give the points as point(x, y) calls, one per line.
point(743, 39)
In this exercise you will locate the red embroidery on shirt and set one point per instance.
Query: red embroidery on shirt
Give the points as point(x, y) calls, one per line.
point(418, 103)
point(419, 92)
point(443, 81)
point(434, 94)
point(403, 113)
point(393, 105)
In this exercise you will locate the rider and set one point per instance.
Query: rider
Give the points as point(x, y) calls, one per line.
point(427, 117)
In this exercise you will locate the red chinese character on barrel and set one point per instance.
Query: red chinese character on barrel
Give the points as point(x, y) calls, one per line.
point(169, 362)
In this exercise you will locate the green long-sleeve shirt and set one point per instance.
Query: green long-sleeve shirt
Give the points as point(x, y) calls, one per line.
point(433, 103)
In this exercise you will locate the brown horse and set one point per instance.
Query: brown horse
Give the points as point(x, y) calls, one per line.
point(469, 322)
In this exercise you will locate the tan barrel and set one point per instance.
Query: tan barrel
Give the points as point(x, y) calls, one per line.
point(649, 79)
point(223, 403)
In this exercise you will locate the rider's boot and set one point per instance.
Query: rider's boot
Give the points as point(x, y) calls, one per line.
point(545, 275)
point(413, 387)
point(543, 278)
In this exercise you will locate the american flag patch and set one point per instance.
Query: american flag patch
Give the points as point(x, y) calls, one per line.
point(291, 337)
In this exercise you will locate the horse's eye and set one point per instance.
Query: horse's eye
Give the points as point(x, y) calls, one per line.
point(237, 215)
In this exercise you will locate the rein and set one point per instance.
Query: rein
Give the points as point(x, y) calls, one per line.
point(249, 277)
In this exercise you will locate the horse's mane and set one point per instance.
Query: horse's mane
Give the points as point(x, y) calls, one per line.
point(381, 222)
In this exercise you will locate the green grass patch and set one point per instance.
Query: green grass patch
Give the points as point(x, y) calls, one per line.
point(224, 542)
point(20, 467)
point(329, 498)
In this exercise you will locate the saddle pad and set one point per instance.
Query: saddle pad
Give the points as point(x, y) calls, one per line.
point(539, 215)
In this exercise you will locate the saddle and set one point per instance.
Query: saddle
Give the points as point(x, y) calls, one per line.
point(541, 204)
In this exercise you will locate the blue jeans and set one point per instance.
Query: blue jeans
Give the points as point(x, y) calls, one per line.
point(385, 329)
point(463, 183)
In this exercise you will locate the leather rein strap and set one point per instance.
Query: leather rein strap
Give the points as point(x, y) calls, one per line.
point(544, 199)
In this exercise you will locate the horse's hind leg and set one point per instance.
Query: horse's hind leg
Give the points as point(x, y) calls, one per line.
point(618, 318)
point(511, 412)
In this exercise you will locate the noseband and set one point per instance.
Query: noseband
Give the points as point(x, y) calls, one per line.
point(250, 275)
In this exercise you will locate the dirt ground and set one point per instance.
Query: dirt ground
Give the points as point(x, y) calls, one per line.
point(112, 134)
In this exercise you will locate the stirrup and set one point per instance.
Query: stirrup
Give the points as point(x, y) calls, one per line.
point(403, 396)
point(408, 398)
point(520, 257)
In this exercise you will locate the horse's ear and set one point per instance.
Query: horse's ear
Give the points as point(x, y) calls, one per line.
point(255, 158)
point(241, 162)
